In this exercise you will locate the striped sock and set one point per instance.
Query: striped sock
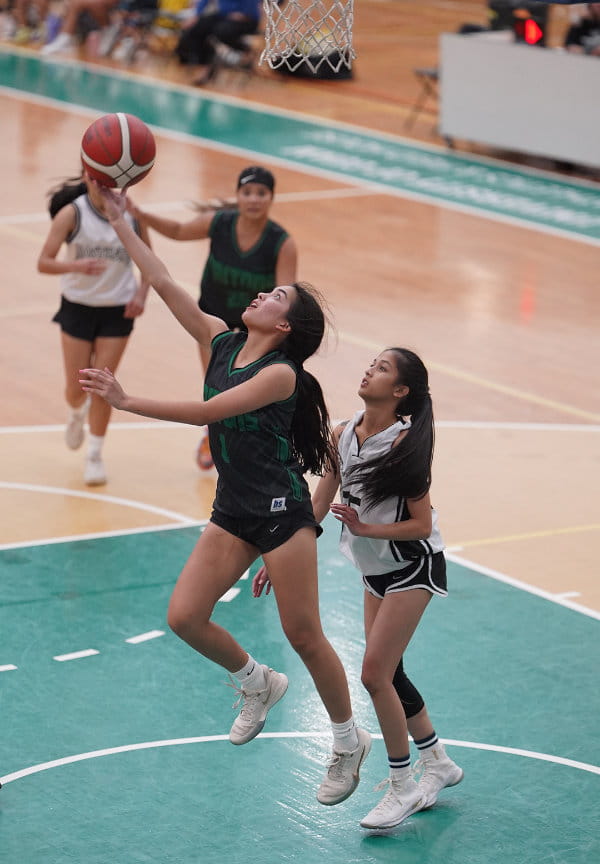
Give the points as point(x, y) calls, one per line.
point(426, 743)
point(399, 768)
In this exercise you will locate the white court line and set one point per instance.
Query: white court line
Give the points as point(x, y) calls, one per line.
point(145, 637)
point(328, 174)
point(205, 739)
point(99, 535)
point(93, 496)
point(523, 586)
point(282, 198)
point(76, 655)
point(9, 667)
point(443, 424)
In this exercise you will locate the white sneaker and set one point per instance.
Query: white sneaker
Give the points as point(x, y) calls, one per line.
point(74, 433)
point(94, 473)
point(63, 42)
point(256, 705)
point(439, 771)
point(343, 772)
point(399, 802)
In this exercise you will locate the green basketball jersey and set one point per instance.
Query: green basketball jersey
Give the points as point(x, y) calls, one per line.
point(259, 475)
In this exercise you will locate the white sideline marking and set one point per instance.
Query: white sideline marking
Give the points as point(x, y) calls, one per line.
point(523, 586)
point(204, 739)
point(8, 668)
point(145, 637)
point(228, 596)
point(93, 496)
point(99, 535)
point(76, 655)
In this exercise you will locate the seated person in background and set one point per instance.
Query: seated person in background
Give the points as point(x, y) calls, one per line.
point(99, 11)
point(231, 20)
point(30, 17)
point(584, 36)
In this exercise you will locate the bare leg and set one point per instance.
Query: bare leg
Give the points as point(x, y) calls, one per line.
point(77, 354)
point(107, 352)
point(293, 573)
point(216, 563)
point(389, 625)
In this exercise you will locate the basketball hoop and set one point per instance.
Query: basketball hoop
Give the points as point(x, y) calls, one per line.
point(310, 32)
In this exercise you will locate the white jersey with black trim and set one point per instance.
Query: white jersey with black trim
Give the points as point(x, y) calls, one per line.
point(373, 557)
point(94, 237)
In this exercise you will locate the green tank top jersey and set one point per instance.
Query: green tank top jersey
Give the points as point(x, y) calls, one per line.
point(258, 474)
point(232, 278)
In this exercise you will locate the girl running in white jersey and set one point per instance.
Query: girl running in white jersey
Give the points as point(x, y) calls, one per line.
point(100, 299)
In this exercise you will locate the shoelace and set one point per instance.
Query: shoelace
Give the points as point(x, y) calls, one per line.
point(389, 794)
point(243, 696)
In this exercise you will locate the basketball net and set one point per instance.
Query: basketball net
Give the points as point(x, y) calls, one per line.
point(310, 32)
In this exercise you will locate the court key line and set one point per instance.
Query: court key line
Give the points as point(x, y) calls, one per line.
point(111, 499)
point(205, 739)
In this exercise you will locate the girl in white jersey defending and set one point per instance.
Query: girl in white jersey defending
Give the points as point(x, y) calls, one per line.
point(100, 299)
point(389, 531)
point(259, 400)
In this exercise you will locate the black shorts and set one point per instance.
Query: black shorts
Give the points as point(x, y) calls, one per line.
point(428, 573)
point(92, 322)
point(266, 533)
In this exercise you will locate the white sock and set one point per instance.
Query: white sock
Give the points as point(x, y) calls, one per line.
point(345, 737)
point(95, 443)
point(251, 676)
point(399, 776)
point(80, 411)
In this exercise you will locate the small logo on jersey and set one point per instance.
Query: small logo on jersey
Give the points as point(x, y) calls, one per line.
point(273, 529)
point(277, 505)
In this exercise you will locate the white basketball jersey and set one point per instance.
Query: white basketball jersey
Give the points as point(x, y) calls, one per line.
point(94, 237)
point(374, 557)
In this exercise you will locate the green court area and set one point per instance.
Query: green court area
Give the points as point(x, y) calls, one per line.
point(122, 757)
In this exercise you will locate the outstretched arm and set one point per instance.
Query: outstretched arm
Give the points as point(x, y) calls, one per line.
point(272, 384)
point(201, 326)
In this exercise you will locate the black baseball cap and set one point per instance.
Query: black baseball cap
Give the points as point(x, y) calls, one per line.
point(256, 174)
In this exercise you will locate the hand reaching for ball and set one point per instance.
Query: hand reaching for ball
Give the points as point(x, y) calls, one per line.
point(103, 383)
point(115, 203)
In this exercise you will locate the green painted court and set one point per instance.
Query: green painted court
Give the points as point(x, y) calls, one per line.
point(122, 755)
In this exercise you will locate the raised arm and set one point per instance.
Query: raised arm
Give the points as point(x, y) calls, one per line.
point(201, 326)
point(287, 263)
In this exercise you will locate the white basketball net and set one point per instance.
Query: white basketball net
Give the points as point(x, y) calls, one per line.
point(311, 32)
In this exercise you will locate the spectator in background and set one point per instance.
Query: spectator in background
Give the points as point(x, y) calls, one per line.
point(231, 20)
point(30, 17)
point(98, 10)
point(584, 36)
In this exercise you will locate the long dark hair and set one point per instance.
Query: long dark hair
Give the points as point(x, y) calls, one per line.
point(406, 469)
point(311, 431)
point(67, 191)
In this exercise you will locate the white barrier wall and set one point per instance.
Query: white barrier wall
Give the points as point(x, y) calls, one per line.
point(520, 97)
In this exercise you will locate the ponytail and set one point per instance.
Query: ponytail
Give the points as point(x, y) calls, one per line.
point(60, 196)
point(311, 436)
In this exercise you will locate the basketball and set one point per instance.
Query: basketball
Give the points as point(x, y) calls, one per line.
point(118, 150)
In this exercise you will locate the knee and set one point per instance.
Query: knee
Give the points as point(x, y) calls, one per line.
point(371, 676)
point(303, 640)
point(180, 619)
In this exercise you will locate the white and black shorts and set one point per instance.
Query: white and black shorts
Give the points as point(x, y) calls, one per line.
point(428, 573)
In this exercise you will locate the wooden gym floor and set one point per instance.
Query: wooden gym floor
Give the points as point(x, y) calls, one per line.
point(503, 310)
